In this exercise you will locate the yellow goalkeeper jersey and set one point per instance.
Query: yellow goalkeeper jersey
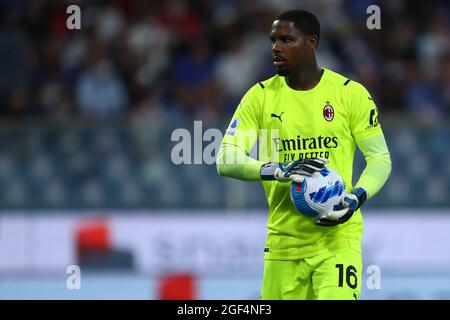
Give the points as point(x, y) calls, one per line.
point(326, 121)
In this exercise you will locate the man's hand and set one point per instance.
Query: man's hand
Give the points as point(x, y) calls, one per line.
point(344, 211)
point(294, 170)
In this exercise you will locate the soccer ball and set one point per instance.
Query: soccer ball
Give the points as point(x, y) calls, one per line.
point(319, 193)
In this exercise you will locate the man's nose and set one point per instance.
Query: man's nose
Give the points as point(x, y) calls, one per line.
point(276, 47)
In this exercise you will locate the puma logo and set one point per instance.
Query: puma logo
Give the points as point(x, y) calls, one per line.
point(273, 115)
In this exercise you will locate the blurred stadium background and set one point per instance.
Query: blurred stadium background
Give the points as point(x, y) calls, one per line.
point(86, 176)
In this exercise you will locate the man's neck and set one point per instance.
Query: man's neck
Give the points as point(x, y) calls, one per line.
point(305, 79)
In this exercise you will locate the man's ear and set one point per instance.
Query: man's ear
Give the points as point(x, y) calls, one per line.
point(312, 42)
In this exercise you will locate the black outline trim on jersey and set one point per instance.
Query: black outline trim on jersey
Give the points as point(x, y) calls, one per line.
point(346, 82)
point(262, 86)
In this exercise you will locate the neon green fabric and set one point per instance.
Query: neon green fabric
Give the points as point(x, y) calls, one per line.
point(233, 162)
point(378, 166)
point(328, 276)
point(328, 121)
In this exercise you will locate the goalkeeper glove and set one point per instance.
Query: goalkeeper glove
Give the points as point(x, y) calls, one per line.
point(294, 170)
point(344, 211)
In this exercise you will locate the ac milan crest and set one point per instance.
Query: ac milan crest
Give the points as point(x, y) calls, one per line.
point(328, 112)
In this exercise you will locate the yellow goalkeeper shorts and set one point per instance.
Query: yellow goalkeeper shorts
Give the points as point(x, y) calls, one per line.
point(330, 276)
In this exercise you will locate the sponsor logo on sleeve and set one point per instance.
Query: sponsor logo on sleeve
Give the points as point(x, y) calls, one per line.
point(233, 126)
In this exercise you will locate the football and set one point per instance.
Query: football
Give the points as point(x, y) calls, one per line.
point(318, 193)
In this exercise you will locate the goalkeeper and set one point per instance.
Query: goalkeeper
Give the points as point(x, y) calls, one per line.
point(304, 118)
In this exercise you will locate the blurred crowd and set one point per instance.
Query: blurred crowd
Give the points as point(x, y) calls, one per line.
point(196, 58)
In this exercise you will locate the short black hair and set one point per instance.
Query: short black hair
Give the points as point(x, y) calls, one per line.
point(305, 22)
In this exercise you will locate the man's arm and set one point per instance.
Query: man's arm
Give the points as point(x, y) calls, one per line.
point(378, 165)
point(233, 158)
point(368, 135)
point(233, 162)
